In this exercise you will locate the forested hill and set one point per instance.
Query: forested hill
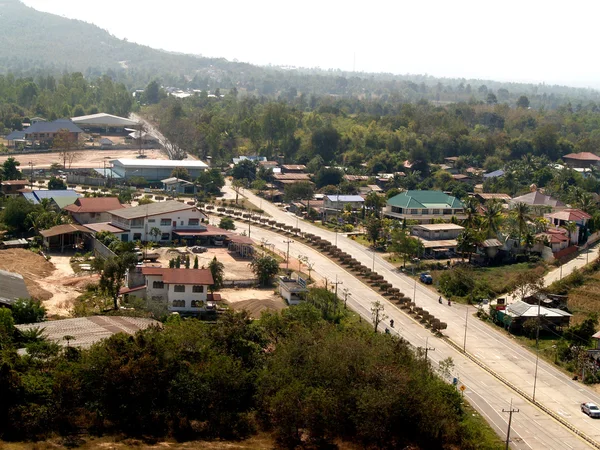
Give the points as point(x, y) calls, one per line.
point(34, 43)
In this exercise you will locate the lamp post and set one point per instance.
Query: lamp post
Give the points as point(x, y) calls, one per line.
point(288, 242)
point(537, 348)
point(336, 286)
point(466, 323)
point(347, 294)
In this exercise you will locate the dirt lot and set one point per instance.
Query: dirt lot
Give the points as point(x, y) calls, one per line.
point(255, 301)
point(52, 281)
point(88, 159)
point(235, 268)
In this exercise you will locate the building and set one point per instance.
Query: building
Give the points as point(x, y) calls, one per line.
point(13, 288)
point(164, 221)
point(154, 169)
point(293, 291)
point(583, 160)
point(578, 217)
point(335, 204)
point(282, 179)
point(539, 202)
point(293, 168)
point(494, 174)
point(105, 143)
point(179, 290)
point(66, 237)
point(104, 123)
point(424, 206)
point(60, 198)
point(439, 239)
point(142, 137)
point(484, 197)
point(46, 131)
point(516, 314)
point(16, 138)
point(10, 188)
point(174, 186)
point(93, 209)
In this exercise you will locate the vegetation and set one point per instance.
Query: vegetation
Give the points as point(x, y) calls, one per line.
point(265, 268)
point(226, 223)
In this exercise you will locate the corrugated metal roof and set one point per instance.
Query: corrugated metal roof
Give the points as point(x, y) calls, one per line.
point(13, 287)
point(425, 200)
point(53, 127)
point(152, 209)
point(158, 163)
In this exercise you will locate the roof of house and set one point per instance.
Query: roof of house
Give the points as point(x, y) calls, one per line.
point(536, 198)
point(174, 180)
point(94, 205)
point(522, 309)
point(494, 174)
point(345, 198)
point(35, 196)
point(63, 202)
point(64, 229)
point(356, 177)
point(151, 209)
point(571, 215)
point(488, 196)
point(15, 135)
point(583, 156)
point(158, 163)
point(438, 244)
point(291, 176)
point(53, 127)
point(104, 119)
point(439, 226)
point(86, 331)
point(14, 183)
point(294, 167)
point(239, 239)
point(104, 226)
point(106, 141)
point(374, 188)
point(13, 287)
point(425, 200)
point(491, 243)
point(181, 276)
point(460, 176)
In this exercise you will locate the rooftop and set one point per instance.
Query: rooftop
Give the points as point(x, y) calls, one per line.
point(570, 215)
point(522, 309)
point(104, 119)
point(294, 167)
point(494, 174)
point(13, 287)
point(104, 226)
point(94, 205)
point(439, 227)
point(174, 180)
point(488, 196)
point(64, 229)
point(291, 176)
point(14, 183)
point(583, 156)
point(181, 276)
point(158, 163)
point(53, 127)
point(536, 198)
point(152, 209)
point(425, 200)
point(345, 198)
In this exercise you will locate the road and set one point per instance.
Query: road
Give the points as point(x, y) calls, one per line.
point(489, 346)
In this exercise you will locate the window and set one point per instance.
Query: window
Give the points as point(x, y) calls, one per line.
point(198, 289)
point(179, 288)
point(158, 285)
point(165, 222)
point(193, 222)
point(436, 211)
point(137, 236)
point(165, 236)
point(197, 303)
point(178, 304)
point(157, 298)
point(137, 223)
point(424, 211)
point(414, 211)
point(151, 220)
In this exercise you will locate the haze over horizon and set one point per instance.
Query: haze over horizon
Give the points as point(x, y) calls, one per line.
point(518, 41)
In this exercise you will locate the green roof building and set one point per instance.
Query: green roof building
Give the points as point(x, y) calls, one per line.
point(424, 206)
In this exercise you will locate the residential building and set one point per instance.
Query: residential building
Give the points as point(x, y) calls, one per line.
point(424, 206)
point(60, 198)
point(10, 188)
point(564, 217)
point(16, 138)
point(46, 131)
point(335, 204)
point(66, 237)
point(13, 288)
point(104, 123)
point(583, 160)
point(494, 174)
point(293, 291)
point(171, 219)
point(293, 168)
point(539, 202)
point(282, 179)
point(484, 197)
point(93, 209)
point(438, 239)
point(516, 314)
point(154, 169)
point(179, 290)
point(174, 186)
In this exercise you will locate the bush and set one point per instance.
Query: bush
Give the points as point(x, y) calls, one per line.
point(227, 223)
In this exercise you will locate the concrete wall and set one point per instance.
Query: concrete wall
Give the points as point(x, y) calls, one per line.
point(100, 250)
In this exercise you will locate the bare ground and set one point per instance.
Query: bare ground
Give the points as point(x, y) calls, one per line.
point(255, 301)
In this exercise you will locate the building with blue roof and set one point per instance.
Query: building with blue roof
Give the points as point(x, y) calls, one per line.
point(335, 204)
point(424, 206)
point(59, 198)
point(494, 174)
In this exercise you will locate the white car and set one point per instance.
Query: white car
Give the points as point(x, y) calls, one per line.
point(590, 409)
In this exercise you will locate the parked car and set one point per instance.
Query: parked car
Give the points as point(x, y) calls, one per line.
point(590, 409)
point(198, 249)
point(426, 278)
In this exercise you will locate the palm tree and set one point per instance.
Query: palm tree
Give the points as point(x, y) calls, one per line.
point(467, 240)
point(586, 203)
point(529, 240)
point(492, 218)
point(571, 228)
point(471, 209)
point(522, 214)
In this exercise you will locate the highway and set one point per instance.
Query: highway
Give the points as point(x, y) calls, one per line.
point(489, 346)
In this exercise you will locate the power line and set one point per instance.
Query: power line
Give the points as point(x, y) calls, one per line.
point(510, 414)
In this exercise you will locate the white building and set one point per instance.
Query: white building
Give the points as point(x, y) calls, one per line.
point(179, 290)
point(293, 291)
point(172, 219)
point(334, 204)
point(154, 169)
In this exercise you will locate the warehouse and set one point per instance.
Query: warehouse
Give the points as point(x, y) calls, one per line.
point(104, 123)
point(154, 169)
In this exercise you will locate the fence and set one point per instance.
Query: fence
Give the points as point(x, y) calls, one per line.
point(240, 283)
point(101, 250)
point(84, 180)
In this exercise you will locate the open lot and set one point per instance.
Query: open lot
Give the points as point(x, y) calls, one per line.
point(87, 159)
point(255, 301)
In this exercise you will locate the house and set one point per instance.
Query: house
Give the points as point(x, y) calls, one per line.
point(538, 202)
point(67, 236)
point(355, 178)
point(105, 143)
point(59, 198)
point(142, 137)
point(282, 179)
point(293, 291)
point(293, 168)
point(547, 300)
point(171, 220)
point(583, 160)
point(13, 288)
point(335, 204)
point(15, 138)
point(494, 174)
point(578, 217)
point(103, 123)
point(484, 197)
point(154, 169)
point(439, 239)
point(553, 244)
point(424, 206)
point(174, 186)
point(461, 178)
point(10, 188)
point(93, 209)
point(184, 291)
point(516, 314)
point(46, 131)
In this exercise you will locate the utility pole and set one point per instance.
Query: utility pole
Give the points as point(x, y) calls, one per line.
point(466, 322)
point(30, 175)
point(537, 348)
point(373, 269)
point(427, 348)
point(336, 285)
point(249, 222)
point(510, 412)
point(415, 287)
point(288, 242)
point(347, 294)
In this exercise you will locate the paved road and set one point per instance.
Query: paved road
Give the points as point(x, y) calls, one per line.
point(497, 351)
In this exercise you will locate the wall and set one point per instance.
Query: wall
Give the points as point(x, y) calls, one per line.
point(101, 250)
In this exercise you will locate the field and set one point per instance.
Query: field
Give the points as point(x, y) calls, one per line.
point(88, 159)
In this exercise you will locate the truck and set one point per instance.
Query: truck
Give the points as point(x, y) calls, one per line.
point(146, 257)
point(590, 409)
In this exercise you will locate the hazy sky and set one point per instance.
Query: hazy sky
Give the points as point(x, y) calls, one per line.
point(525, 40)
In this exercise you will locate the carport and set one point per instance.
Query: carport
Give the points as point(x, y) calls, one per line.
point(70, 236)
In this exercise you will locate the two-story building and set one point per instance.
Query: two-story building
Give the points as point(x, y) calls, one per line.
point(11, 188)
point(439, 239)
point(424, 206)
point(93, 209)
point(583, 160)
point(46, 131)
point(570, 215)
point(336, 204)
point(178, 290)
point(164, 221)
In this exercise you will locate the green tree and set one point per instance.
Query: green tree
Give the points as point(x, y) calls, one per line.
point(303, 190)
point(227, 223)
point(196, 265)
point(523, 102)
point(16, 210)
point(56, 184)
point(492, 218)
point(378, 314)
point(375, 203)
point(244, 170)
point(326, 176)
point(265, 268)
point(181, 173)
point(237, 186)
point(467, 242)
point(113, 275)
point(325, 142)
point(28, 310)
point(211, 181)
point(522, 214)
point(405, 245)
point(217, 269)
point(152, 93)
point(10, 169)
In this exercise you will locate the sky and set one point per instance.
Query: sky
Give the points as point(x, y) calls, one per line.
point(526, 40)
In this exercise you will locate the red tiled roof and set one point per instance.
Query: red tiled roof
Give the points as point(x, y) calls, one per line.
point(181, 276)
point(94, 205)
point(571, 215)
point(583, 156)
